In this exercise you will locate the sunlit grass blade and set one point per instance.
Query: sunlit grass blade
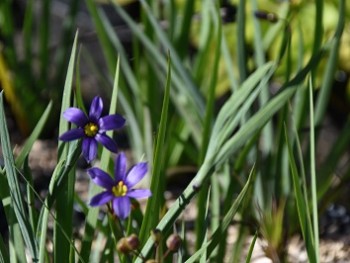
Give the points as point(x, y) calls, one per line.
point(258, 120)
point(65, 198)
point(314, 200)
point(92, 215)
point(235, 109)
point(216, 236)
point(14, 186)
point(33, 137)
point(157, 180)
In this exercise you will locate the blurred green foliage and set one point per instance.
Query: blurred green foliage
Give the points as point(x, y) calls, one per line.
point(33, 67)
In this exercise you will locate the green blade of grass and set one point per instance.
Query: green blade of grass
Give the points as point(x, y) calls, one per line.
point(301, 204)
point(258, 120)
point(313, 176)
point(14, 187)
point(216, 236)
point(64, 198)
point(251, 248)
point(157, 180)
point(44, 216)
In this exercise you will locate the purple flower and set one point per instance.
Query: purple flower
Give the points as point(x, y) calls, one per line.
point(92, 129)
point(119, 190)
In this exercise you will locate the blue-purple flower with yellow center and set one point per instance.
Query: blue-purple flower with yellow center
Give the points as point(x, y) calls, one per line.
point(92, 128)
point(119, 189)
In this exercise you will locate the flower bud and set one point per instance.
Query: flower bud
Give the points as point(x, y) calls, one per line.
point(173, 242)
point(128, 244)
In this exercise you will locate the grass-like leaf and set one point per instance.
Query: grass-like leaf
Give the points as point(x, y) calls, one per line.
point(157, 181)
point(302, 208)
point(65, 198)
point(15, 190)
point(216, 236)
point(16, 195)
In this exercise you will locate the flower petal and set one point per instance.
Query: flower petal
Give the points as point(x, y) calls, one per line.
point(139, 193)
point(101, 178)
point(122, 206)
point(96, 109)
point(111, 122)
point(120, 168)
point(89, 149)
point(71, 135)
point(76, 116)
point(101, 198)
point(106, 142)
point(135, 174)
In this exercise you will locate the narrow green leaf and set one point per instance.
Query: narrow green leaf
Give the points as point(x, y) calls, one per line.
point(157, 180)
point(305, 225)
point(216, 236)
point(15, 190)
point(44, 216)
point(251, 248)
point(64, 199)
point(313, 176)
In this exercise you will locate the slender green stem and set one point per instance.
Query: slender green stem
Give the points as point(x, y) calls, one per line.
point(313, 175)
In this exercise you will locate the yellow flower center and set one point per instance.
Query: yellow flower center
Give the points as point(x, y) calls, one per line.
point(90, 129)
point(120, 189)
